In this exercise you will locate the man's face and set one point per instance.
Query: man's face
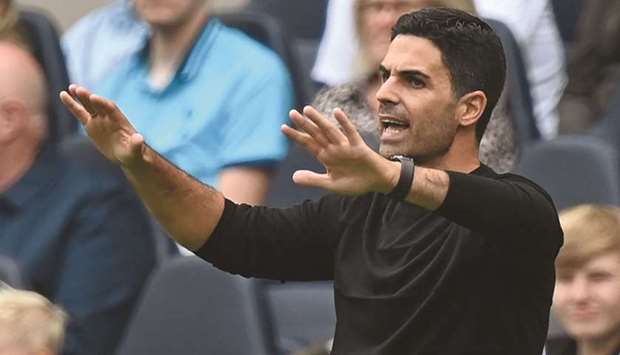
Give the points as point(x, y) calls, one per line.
point(416, 101)
point(166, 13)
point(377, 18)
point(587, 300)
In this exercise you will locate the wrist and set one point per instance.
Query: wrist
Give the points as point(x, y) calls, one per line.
point(390, 173)
point(402, 187)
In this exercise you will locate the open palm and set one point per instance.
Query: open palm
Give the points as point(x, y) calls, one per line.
point(105, 124)
point(352, 167)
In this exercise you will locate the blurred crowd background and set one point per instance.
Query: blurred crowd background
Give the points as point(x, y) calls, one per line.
point(209, 82)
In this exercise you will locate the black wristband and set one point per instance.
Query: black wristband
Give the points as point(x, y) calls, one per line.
point(407, 171)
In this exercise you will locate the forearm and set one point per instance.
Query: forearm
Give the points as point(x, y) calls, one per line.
point(428, 189)
point(186, 208)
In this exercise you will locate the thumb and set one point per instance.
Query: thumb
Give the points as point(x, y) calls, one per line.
point(311, 179)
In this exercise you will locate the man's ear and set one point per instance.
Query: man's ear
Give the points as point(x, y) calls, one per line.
point(470, 107)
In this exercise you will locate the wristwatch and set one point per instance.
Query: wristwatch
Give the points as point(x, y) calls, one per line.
point(407, 172)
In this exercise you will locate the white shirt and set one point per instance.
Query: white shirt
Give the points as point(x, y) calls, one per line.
point(532, 22)
point(334, 64)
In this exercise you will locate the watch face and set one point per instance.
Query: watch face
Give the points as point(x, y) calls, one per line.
point(400, 157)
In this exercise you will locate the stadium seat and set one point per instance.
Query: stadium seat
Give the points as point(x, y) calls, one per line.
point(566, 14)
point(574, 170)
point(191, 308)
point(300, 18)
point(608, 127)
point(10, 275)
point(303, 313)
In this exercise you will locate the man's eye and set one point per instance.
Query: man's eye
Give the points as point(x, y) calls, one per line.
point(384, 75)
point(416, 82)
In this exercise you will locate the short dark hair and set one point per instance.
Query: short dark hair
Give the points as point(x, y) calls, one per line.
point(469, 47)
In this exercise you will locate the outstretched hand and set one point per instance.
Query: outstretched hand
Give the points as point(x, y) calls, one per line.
point(352, 167)
point(105, 124)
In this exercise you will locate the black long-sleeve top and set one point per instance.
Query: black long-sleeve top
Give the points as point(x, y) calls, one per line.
point(475, 276)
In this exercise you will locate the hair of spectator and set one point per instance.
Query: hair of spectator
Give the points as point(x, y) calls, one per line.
point(470, 49)
point(30, 321)
point(589, 231)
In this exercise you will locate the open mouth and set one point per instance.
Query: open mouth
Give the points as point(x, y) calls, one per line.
point(391, 125)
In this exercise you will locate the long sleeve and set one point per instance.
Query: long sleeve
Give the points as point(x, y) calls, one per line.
point(509, 207)
point(285, 244)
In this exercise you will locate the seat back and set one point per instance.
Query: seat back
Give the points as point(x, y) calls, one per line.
point(303, 313)
point(300, 18)
point(608, 127)
point(46, 44)
point(574, 170)
point(191, 308)
point(566, 13)
point(10, 275)
point(283, 192)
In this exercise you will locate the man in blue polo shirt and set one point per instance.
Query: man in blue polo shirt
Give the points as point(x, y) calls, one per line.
point(209, 98)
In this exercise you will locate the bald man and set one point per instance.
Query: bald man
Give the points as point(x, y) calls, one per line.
point(79, 235)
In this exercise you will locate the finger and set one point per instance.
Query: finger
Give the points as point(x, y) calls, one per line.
point(347, 126)
point(107, 107)
point(311, 179)
point(72, 89)
point(308, 126)
point(83, 95)
point(327, 128)
point(75, 107)
point(301, 138)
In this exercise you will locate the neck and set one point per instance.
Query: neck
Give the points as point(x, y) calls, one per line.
point(15, 161)
point(462, 156)
point(169, 45)
point(599, 346)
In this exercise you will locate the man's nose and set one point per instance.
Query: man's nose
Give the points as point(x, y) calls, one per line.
point(386, 93)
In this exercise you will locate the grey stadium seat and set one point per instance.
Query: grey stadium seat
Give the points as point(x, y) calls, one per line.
point(574, 170)
point(191, 308)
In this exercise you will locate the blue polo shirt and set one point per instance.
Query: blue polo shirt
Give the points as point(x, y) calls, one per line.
point(223, 107)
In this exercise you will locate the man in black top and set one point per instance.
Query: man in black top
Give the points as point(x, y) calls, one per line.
point(444, 257)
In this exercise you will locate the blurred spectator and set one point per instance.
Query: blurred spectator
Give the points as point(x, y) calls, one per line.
point(29, 324)
point(593, 66)
point(99, 41)
point(75, 228)
point(335, 59)
point(533, 24)
point(207, 97)
point(10, 29)
point(373, 23)
point(587, 293)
